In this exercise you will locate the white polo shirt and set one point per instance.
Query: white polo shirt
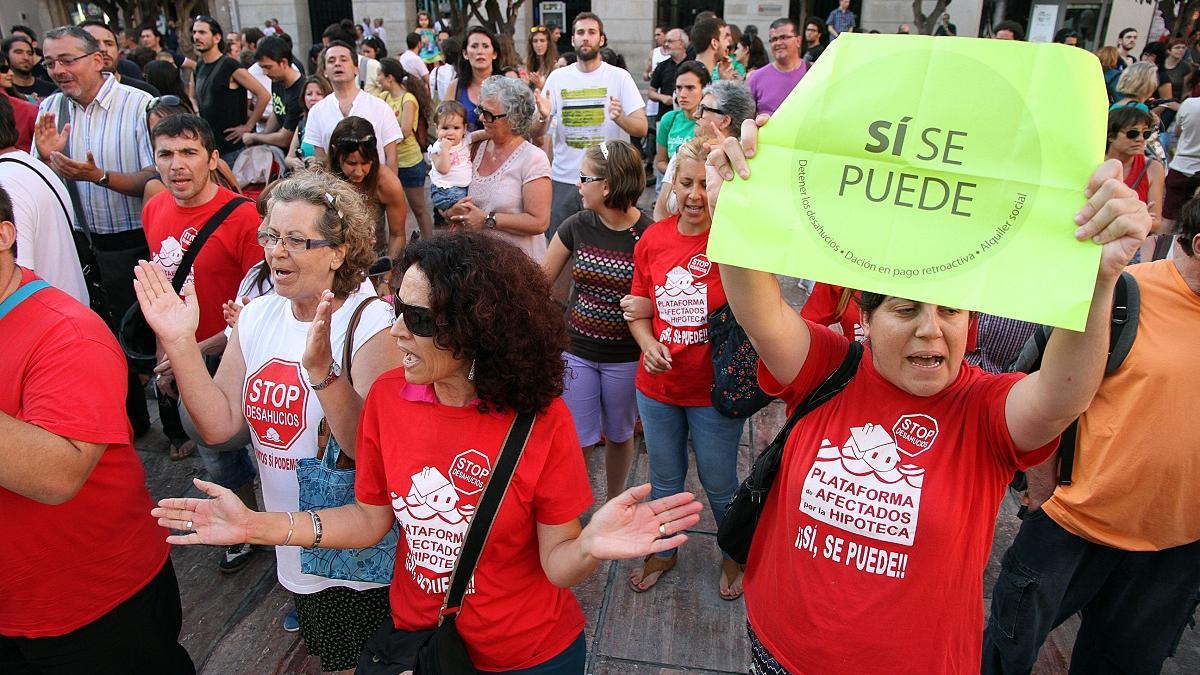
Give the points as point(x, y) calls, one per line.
point(326, 114)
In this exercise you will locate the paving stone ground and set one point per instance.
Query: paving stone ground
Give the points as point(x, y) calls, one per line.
point(232, 624)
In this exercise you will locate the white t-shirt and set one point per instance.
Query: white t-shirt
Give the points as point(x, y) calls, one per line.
point(44, 242)
point(413, 63)
point(283, 411)
point(459, 174)
point(579, 103)
point(1187, 151)
point(439, 80)
point(326, 114)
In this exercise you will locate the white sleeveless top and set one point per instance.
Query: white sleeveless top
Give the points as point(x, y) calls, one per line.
point(283, 410)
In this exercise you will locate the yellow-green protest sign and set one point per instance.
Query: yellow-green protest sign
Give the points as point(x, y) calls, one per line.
point(945, 170)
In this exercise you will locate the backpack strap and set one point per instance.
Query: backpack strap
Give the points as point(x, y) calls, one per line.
point(45, 180)
point(485, 514)
point(185, 265)
point(18, 296)
point(1122, 332)
point(762, 473)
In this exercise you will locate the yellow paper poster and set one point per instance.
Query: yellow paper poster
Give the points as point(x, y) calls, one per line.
point(945, 170)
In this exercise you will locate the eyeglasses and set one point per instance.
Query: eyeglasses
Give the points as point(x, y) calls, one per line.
point(780, 38)
point(584, 180)
point(291, 243)
point(715, 111)
point(418, 320)
point(65, 61)
point(170, 100)
point(1133, 134)
point(487, 115)
point(351, 143)
point(537, 29)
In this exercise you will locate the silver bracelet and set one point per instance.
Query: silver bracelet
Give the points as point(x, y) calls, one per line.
point(316, 521)
point(291, 528)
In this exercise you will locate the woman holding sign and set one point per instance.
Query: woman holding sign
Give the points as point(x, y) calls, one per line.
point(869, 554)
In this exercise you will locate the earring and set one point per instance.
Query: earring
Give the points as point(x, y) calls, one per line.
point(471, 372)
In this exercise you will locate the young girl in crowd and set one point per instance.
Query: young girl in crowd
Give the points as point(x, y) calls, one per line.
point(409, 100)
point(603, 357)
point(541, 57)
point(300, 154)
point(450, 155)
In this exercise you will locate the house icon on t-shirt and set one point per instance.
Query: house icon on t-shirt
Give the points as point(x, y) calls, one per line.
point(434, 490)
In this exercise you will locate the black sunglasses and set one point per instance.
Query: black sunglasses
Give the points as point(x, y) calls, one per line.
point(1132, 134)
point(716, 111)
point(487, 115)
point(5, 68)
point(419, 320)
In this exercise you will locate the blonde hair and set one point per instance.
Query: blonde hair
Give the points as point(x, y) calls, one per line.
point(1138, 81)
point(693, 149)
point(1109, 57)
point(345, 220)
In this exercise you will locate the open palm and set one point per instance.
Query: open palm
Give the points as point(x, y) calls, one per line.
point(627, 527)
point(223, 520)
point(172, 318)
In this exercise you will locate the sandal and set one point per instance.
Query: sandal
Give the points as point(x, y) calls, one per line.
point(183, 450)
point(731, 574)
point(655, 566)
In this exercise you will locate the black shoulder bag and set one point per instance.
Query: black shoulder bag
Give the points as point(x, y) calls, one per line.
point(441, 650)
point(737, 529)
point(135, 335)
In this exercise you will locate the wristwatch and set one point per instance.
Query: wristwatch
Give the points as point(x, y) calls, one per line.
point(490, 221)
point(103, 181)
point(335, 371)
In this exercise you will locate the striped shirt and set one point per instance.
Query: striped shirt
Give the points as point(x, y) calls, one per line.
point(113, 128)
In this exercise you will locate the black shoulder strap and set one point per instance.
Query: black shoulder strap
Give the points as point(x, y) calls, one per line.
point(762, 473)
point(45, 180)
point(185, 265)
point(1125, 310)
point(485, 513)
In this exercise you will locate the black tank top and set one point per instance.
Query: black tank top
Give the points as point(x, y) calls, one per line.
point(221, 106)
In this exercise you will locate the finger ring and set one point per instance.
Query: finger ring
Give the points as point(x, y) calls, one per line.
point(189, 525)
point(662, 529)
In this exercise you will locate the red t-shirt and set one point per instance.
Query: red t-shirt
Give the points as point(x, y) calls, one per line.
point(822, 308)
point(65, 566)
point(429, 462)
point(223, 261)
point(24, 115)
point(673, 270)
point(870, 553)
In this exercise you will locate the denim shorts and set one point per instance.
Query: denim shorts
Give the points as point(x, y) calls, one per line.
point(414, 176)
point(445, 197)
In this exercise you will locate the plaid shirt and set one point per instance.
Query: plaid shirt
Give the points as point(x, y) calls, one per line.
point(998, 341)
point(113, 128)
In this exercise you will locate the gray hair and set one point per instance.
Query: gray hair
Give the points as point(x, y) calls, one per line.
point(734, 99)
point(89, 42)
point(516, 97)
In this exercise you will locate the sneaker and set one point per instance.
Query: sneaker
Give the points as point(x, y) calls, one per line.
point(235, 558)
point(291, 622)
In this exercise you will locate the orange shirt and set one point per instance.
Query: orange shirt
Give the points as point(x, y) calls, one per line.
point(1138, 462)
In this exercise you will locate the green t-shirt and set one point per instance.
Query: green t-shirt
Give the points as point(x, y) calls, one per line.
point(675, 129)
point(737, 66)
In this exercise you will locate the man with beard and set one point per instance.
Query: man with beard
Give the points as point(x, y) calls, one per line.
point(113, 63)
point(772, 84)
point(592, 102)
point(1126, 42)
point(105, 157)
point(21, 58)
point(185, 155)
point(221, 86)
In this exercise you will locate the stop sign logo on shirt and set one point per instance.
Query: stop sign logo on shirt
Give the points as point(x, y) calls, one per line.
point(915, 434)
point(469, 471)
point(276, 399)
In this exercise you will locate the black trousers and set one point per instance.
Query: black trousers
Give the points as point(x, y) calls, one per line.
point(138, 637)
point(1134, 605)
point(116, 256)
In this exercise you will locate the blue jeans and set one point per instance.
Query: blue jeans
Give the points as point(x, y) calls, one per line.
point(569, 661)
point(715, 439)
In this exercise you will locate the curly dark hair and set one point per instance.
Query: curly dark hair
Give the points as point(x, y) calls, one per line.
point(492, 304)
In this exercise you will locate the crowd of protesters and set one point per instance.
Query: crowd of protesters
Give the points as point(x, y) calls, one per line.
point(246, 209)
